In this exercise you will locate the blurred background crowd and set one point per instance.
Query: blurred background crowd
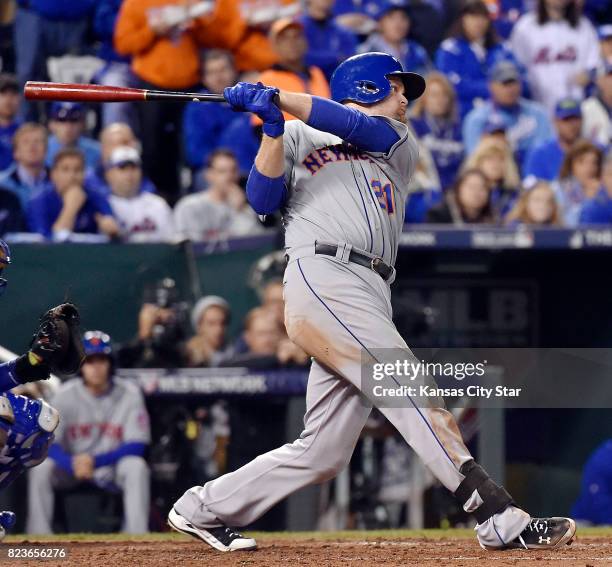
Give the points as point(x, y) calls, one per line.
point(514, 127)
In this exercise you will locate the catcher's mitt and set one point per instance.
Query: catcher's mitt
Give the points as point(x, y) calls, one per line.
point(57, 342)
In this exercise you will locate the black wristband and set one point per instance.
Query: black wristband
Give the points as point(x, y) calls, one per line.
point(26, 372)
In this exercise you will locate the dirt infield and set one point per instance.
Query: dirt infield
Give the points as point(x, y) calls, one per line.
point(288, 551)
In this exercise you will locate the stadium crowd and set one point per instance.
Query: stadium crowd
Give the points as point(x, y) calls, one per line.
point(514, 128)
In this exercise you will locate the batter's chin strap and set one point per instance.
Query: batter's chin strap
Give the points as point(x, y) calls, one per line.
point(489, 499)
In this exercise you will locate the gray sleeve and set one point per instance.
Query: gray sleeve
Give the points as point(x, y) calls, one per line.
point(403, 155)
point(136, 428)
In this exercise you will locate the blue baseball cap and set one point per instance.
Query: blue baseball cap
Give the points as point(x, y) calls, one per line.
point(605, 31)
point(389, 5)
point(568, 108)
point(97, 342)
point(67, 111)
point(504, 72)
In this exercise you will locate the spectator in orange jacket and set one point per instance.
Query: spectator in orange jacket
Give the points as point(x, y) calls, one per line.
point(164, 37)
point(291, 72)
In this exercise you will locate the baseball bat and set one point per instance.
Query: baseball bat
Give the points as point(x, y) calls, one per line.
point(74, 92)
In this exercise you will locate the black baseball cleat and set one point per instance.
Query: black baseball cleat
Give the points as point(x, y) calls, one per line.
point(543, 533)
point(221, 538)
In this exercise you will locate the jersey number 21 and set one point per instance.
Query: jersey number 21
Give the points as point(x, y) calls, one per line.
point(384, 193)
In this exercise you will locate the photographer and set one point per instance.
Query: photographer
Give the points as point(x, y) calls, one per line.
point(161, 330)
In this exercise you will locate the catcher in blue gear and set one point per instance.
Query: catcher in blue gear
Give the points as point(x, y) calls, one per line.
point(26, 425)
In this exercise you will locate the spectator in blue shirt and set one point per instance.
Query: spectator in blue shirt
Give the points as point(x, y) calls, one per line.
point(598, 210)
point(594, 505)
point(392, 37)
point(435, 120)
point(66, 206)
point(67, 124)
point(579, 180)
point(467, 57)
point(329, 43)
point(28, 175)
point(116, 70)
point(544, 160)
point(203, 123)
point(526, 123)
point(9, 106)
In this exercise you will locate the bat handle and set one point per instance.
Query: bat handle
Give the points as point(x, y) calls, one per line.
point(186, 97)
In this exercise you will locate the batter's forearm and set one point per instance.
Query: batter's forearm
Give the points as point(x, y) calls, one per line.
point(270, 159)
point(298, 104)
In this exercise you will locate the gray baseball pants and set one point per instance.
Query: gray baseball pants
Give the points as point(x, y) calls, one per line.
point(334, 311)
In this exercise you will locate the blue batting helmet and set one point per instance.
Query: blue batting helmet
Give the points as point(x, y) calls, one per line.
point(364, 79)
point(97, 342)
point(5, 260)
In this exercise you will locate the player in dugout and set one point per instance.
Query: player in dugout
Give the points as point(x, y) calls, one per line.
point(101, 441)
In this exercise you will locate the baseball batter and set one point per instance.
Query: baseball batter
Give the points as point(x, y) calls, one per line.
point(339, 174)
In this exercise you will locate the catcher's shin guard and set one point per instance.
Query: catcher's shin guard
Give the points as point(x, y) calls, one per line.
point(479, 495)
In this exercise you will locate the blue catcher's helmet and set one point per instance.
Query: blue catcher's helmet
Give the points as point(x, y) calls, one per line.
point(5, 260)
point(97, 342)
point(364, 79)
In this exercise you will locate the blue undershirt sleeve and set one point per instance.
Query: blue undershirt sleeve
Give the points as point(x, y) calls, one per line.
point(62, 459)
point(369, 133)
point(111, 457)
point(8, 378)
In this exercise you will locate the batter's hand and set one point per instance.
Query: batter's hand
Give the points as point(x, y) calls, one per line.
point(259, 99)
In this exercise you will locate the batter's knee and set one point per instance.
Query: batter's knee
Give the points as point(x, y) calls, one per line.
point(328, 464)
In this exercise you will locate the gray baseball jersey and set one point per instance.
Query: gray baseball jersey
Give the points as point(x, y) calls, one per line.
point(338, 193)
point(95, 425)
